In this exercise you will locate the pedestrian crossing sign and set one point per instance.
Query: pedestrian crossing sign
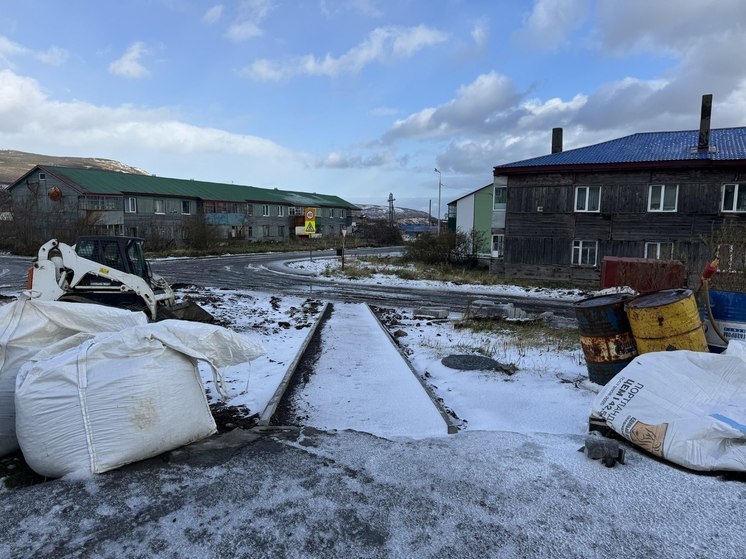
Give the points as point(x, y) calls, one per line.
point(310, 228)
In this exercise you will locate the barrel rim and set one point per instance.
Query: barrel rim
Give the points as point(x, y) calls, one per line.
point(659, 298)
point(614, 299)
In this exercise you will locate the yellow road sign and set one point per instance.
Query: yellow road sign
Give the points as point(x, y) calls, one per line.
point(310, 221)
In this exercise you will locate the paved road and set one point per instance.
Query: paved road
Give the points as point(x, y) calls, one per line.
point(268, 273)
point(349, 494)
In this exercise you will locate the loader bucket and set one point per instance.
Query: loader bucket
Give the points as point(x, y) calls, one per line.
point(187, 310)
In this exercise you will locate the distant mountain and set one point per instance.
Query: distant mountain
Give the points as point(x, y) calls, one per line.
point(404, 216)
point(14, 164)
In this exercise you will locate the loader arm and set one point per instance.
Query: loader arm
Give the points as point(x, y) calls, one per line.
point(59, 270)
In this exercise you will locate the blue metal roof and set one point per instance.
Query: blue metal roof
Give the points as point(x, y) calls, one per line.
point(726, 144)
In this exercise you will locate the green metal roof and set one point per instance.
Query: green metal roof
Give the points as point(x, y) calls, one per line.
point(94, 181)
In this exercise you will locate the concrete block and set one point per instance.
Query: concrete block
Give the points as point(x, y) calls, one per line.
point(430, 312)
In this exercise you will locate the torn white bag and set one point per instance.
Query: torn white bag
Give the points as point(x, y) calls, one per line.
point(27, 326)
point(121, 397)
point(685, 406)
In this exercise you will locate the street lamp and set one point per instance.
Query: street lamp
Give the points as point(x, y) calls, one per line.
point(440, 184)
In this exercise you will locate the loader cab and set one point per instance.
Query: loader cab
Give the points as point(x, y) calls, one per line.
point(120, 253)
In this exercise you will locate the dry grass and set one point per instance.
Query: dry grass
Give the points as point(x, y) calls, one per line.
point(459, 275)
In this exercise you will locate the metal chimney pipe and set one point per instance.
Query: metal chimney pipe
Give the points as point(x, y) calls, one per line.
point(556, 140)
point(704, 123)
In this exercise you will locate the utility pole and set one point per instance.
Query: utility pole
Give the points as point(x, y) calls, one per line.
point(440, 184)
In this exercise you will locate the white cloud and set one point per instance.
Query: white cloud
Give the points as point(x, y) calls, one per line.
point(339, 160)
point(382, 44)
point(384, 111)
point(243, 30)
point(480, 106)
point(551, 21)
point(19, 98)
point(366, 8)
point(28, 117)
point(129, 65)
point(9, 49)
point(213, 14)
point(54, 56)
point(247, 24)
point(406, 42)
point(665, 26)
point(480, 33)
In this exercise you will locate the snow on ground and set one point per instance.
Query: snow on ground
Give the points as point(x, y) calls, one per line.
point(510, 484)
point(484, 400)
point(331, 265)
point(281, 323)
point(548, 393)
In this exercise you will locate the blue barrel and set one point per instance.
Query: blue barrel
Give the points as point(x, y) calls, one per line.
point(605, 335)
point(729, 311)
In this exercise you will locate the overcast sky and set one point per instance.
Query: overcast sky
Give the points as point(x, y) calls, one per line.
point(359, 98)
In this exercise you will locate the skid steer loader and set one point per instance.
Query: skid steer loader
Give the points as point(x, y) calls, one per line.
point(109, 271)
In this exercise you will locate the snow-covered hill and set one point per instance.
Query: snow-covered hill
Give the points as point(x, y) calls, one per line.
point(13, 164)
point(402, 215)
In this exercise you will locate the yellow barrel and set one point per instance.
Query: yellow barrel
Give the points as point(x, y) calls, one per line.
point(666, 320)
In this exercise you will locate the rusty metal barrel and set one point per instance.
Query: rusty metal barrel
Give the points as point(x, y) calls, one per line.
point(666, 320)
point(605, 335)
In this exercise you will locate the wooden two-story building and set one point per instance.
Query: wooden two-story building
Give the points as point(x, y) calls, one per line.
point(663, 195)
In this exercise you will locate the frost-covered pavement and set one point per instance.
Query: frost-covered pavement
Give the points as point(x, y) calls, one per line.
point(511, 483)
point(350, 494)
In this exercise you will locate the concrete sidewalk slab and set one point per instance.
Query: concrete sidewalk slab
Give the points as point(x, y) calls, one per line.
point(370, 388)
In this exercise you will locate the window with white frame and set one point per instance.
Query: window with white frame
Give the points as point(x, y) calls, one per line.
point(101, 203)
point(500, 198)
point(659, 251)
point(584, 253)
point(159, 207)
point(587, 198)
point(663, 197)
point(265, 210)
point(734, 198)
point(265, 230)
point(130, 205)
point(498, 246)
point(280, 211)
point(186, 207)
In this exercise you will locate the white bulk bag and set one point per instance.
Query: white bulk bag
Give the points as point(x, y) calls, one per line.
point(685, 406)
point(120, 397)
point(28, 325)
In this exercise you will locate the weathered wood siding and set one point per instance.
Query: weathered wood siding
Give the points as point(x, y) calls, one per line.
point(541, 223)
